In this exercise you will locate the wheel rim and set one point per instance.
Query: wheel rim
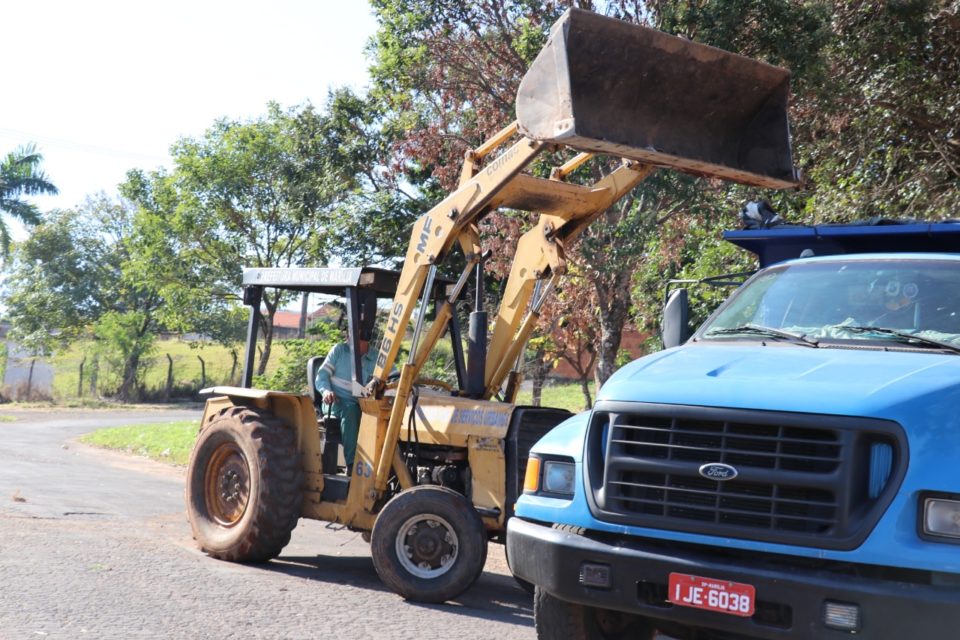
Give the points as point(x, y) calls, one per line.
point(427, 546)
point(227, 484)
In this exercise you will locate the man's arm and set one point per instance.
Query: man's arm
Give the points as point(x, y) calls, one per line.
point(323, 382)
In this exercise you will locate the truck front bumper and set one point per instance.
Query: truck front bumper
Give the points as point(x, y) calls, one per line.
point(790, 600)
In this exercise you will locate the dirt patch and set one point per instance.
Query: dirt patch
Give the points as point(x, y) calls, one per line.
point(130, 462)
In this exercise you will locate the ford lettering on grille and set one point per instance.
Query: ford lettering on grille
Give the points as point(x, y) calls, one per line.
point(718, 471)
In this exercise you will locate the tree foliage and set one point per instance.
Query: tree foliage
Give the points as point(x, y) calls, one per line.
point(880, 137)
point(246, 194)
point(373, 205)
point(20, 176)
point(77, 276)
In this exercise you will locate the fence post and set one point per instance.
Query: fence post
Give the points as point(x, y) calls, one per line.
point(169, 388)
point(203, 372)
point(94, 374)
point(30, 379)
point(80, 383)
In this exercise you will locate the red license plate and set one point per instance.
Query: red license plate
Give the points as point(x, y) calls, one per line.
point(711, 594)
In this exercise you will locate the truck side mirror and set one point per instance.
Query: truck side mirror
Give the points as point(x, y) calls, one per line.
point(674, 329)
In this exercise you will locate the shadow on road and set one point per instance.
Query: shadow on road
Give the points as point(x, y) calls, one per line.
point(493, 597)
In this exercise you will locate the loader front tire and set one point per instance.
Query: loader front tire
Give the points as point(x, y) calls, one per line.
point(429, 544)
point(244, 485)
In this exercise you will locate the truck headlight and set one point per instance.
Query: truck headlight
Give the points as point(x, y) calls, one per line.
point(558, 477)
point(553, 476)
point(941, 517)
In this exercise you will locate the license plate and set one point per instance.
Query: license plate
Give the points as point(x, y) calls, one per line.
point(723, 596)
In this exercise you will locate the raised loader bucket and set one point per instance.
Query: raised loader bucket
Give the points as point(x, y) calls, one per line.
point(608, 86)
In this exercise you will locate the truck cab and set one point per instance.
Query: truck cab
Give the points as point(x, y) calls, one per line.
point(786, 472)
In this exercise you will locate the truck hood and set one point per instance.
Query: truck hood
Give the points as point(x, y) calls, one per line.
point(786, 377)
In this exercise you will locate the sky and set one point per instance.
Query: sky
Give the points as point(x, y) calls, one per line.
point(104, 86)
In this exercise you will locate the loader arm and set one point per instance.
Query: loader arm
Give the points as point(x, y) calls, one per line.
point(565, 211)
point(601, 86)
point(434, 234)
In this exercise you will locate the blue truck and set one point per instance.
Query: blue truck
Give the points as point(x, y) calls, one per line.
point(788, 471)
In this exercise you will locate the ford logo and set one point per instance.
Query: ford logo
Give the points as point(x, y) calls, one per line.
point(718, 471)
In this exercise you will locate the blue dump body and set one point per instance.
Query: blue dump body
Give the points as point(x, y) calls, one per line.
point(798, 456)
point(783, 243)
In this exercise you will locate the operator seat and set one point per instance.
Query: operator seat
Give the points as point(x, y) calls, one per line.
point(313, 365)
point(329, 425)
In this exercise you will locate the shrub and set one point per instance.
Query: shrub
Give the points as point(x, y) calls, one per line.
point(291, 372)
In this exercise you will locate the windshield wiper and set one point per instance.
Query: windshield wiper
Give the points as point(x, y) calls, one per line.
point(900, 336)
point(760, 330)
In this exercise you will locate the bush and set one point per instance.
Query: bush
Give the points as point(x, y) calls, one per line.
point(439, 364)
point(291, 372)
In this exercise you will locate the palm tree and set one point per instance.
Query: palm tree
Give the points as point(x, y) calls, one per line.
point(20, 175)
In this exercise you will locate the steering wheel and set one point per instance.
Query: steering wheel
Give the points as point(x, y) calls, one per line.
point(912, 306)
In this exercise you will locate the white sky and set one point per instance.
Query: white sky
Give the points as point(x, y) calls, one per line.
point(104, 86)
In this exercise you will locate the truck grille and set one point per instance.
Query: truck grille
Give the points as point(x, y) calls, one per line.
point(801, 478)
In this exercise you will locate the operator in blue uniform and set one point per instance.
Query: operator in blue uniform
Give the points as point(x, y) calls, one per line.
point(334, 385)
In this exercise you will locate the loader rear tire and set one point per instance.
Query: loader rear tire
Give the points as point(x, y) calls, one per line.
point(244, 486)
point(429, 544)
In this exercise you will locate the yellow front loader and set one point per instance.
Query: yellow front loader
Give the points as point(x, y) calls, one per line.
point(437, 469)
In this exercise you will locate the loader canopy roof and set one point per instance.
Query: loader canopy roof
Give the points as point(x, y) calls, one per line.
point(332, 280)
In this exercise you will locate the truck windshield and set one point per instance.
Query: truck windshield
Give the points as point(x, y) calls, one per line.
point(915, 302)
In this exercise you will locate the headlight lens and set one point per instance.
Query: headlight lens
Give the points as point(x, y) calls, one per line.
point(558, 477)
point(941, 517)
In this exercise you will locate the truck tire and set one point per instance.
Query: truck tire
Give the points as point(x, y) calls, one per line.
point(555, 619)
point(244, 486)
point(429, 544)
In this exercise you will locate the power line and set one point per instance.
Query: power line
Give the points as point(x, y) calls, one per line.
point(81, 146)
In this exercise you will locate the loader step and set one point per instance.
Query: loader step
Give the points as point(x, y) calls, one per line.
point(335, 488)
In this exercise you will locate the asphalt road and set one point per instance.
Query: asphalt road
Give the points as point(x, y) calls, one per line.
point(96, 544)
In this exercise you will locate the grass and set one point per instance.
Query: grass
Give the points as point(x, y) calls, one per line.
point(168, 442)
point(563, 396)
point(186, 366)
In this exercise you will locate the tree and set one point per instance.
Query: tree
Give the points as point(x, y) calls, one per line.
point(20, 175)
point(72, 278)
point(246, 194)
point(572, 332)
point(350, 143)
point(880, 138)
